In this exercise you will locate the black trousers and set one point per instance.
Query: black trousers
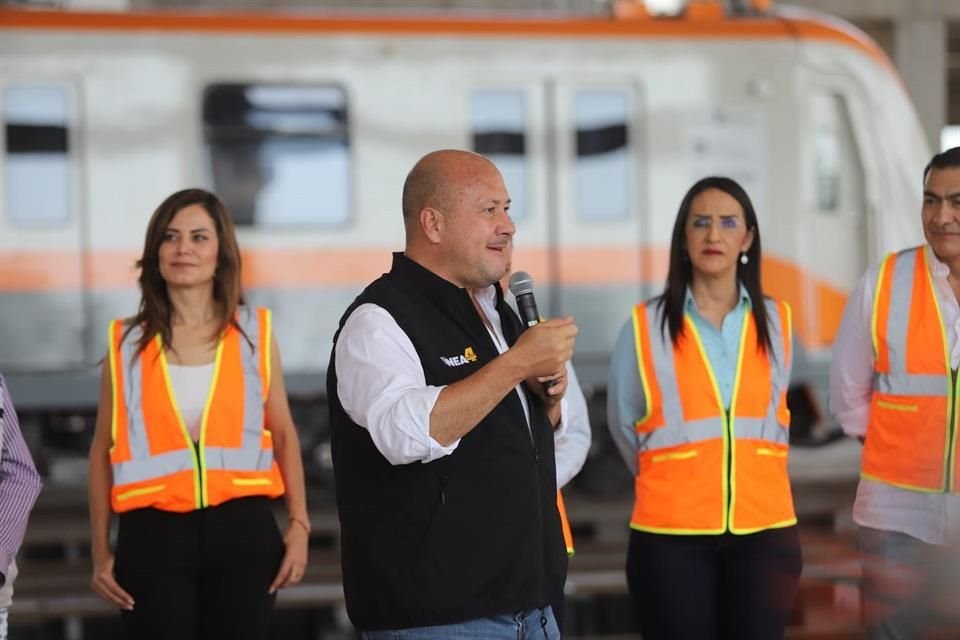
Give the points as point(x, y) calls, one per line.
point(202, 574)
point(722, 587)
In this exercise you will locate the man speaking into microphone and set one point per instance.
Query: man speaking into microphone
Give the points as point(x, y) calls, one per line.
point(443, 433)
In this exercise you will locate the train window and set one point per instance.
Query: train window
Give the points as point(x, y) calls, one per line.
point(37, 161)
point(601, 174)
point(498, 121)
point(279, 155)
point(832, 140)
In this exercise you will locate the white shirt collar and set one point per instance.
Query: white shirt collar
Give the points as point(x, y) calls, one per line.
point(486, 295)
point(937, 268)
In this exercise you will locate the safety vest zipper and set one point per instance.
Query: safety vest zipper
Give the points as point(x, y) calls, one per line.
point(198, 456)
point(728, 480)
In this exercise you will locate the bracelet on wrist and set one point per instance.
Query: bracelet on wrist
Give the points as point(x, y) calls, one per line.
point(303, 523)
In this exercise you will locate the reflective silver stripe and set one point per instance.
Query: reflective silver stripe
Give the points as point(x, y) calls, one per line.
point(665, 370)
point(253, 398)
point(672, 434)
point(154, 467)
point(898, 319)
point(771, 429)
point(247, 459)
point(710, 428)
point(760, 429)
point(917, 384)
point(133, 395)
point(778, 359)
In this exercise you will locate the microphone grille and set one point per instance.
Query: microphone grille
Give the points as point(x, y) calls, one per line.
point(521, 283)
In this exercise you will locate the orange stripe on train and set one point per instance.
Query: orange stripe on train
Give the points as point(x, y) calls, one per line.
point(773, 27)
point(65, 271)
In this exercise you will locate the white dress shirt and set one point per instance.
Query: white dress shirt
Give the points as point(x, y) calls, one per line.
point(382, 387)
point(931, 517)
point(572, 442)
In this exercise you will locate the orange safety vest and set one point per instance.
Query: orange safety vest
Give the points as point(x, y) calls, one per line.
point(155, 461)
point(912, 431)
point(700, 468)
point(565, 523)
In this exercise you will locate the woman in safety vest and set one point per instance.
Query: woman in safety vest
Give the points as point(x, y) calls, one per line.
point(697, 407)
point(193, 438)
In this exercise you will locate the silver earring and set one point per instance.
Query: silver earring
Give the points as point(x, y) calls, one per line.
point(744, 259)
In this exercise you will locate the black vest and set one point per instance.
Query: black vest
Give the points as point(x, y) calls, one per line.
point(473, 534)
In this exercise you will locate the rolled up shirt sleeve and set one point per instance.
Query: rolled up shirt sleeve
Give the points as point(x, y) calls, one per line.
point(571, 440)
point(382, 387)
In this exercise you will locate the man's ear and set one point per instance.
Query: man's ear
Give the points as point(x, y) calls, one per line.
point(431, 221)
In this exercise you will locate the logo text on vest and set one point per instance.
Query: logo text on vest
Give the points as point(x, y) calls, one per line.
point(458, 360)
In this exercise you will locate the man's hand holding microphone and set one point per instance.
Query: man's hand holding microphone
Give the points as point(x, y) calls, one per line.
point(545, 345)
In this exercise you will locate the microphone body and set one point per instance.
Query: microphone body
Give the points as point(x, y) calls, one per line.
point(527, 306)
point(521, 286)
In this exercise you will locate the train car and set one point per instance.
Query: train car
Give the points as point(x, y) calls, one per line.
point(307, 124)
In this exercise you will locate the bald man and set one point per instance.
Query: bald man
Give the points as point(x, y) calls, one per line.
point(443, 431)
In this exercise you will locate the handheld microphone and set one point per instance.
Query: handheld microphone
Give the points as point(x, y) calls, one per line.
point(521, 286)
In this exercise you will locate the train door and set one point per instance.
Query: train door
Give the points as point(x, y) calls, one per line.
point(569, 155)
point(42, 313)
point(834, 215)
point(507, 125)
point(595, 173)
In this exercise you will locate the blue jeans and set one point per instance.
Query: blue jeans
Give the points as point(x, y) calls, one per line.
point(909, 586)
point(535, 624)
point(3, 623)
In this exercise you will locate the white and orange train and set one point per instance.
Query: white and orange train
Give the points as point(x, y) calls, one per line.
point(307, 125)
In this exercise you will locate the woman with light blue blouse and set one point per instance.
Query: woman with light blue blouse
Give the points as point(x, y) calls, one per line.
point(697, 408)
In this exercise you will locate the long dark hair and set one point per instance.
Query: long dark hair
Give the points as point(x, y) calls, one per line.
point(671, 301)
point(154, 314)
